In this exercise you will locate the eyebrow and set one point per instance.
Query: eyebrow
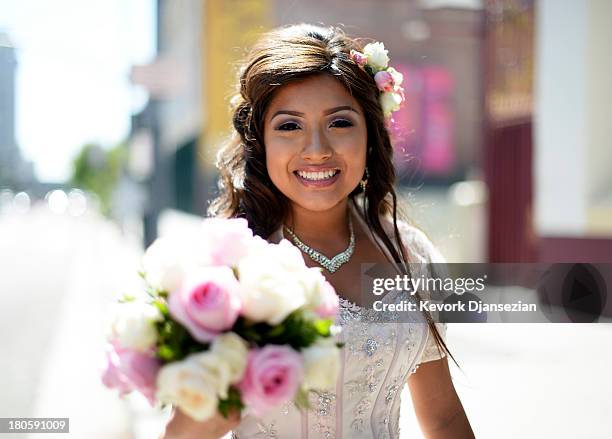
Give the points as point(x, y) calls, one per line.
point(326, 112)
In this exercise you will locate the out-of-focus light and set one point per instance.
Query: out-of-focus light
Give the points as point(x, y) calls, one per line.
point(58, 201)
point(94, 203)
point(21, 203)
point(416, 30)
point(468, 193)
point(6, 199)
point(77, 202)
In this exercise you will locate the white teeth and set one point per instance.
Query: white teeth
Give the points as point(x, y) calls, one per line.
point(322, 175)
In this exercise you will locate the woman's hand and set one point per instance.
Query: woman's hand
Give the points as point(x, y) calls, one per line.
point(182, 426)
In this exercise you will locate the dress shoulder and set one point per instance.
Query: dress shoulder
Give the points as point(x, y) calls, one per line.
point(418, 245)
point(422, 251)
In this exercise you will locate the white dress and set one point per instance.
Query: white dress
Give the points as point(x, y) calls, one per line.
point(377, 361)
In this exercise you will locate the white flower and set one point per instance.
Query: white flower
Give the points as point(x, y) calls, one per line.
point(321, 299)
point(390, 102)
point(133, 324)
point(321, 364)
point(163, 264)
point(215, 366)
point(398, 78)
point(271, 280)
point(377, 56)
point(232, 350)
point(224, 241)
point(189, 386)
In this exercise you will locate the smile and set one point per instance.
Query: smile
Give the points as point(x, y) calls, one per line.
point(315, 176)
point(322, 178)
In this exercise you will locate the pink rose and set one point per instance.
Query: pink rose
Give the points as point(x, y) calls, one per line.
point(128, 370)
point(272, 377)
point(207, 303)
point(359, 58)
point(226, 241)
point(384, 81)
point(328, 301)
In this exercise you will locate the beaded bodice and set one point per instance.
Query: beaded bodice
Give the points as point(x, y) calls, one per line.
point(378, 356)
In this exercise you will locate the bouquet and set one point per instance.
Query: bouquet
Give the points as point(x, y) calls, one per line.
point(228, 322)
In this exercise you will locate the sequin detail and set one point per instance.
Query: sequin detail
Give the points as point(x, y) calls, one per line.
point(323, 405)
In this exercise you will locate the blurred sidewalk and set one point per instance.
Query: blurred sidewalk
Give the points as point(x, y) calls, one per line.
point(530, 380)
point(59, 275)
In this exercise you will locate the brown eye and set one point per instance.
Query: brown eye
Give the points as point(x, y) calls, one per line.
point(288, 126)
point(342, 123)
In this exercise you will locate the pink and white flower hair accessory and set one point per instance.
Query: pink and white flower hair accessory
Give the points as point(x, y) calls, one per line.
point(375, 60)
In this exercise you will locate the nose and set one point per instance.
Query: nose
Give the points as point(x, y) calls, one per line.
point(318, 147)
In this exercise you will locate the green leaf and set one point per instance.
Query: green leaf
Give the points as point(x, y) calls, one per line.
point(162, 307)
point(231, 403)
point(127, 298)
point(166, 353)
point(301, 399)
point(296, 331)
point(323, 327)
point(276, 331)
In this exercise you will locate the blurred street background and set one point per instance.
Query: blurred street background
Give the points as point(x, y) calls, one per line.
point(110, 117)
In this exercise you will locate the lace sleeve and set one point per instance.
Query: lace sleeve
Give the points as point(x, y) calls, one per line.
point(432, 351)
point(421, 250)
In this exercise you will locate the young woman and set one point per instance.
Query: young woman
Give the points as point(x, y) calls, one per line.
point(311, 161)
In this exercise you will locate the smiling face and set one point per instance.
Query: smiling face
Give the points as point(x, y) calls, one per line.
point(315, 138)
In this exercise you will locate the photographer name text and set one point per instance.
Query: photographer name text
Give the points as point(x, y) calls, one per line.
point(468, 306)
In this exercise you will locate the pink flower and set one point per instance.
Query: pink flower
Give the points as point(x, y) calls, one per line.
point(207, 303)
point(128, 370)
point(272, 377)
point(328, 301)
point(384, 81)
point(359, 58)
point(226, 241)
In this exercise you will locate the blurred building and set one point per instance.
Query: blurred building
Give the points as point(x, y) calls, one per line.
point(573, 154)
point(175, 137)
point(15, 172)
point(548, 89)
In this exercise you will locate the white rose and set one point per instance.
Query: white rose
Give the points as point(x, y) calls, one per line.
point(398, 78)
point(234, 351)
point(321, 364)
point(313, 281)
point(133, 324)
point(215, 366)
point(272, 288)
point(390, 102)
point(163, 264)
point(377, 56)
point(189, 386)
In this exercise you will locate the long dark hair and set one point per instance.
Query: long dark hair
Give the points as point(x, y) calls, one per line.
point(283, 55)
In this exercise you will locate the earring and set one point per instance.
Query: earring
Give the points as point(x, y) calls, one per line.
point(364, 181)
